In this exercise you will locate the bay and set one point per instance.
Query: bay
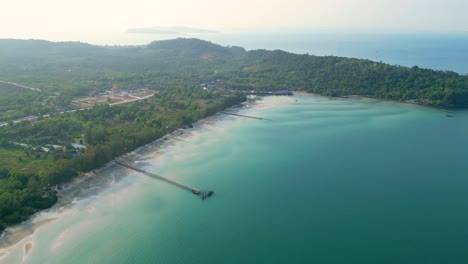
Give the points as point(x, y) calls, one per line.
point(326, 180)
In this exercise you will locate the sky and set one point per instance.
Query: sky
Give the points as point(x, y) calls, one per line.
point(24, 18)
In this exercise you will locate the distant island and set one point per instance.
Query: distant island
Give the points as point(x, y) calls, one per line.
point(68, 107)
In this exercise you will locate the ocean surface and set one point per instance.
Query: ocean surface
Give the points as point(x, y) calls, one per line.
point(324, 181)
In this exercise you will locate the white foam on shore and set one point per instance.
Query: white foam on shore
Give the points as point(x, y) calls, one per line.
point(95, 192)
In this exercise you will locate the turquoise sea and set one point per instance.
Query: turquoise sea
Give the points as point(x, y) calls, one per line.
point(324, 181)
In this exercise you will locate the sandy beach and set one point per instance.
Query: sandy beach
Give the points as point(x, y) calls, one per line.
point(15, 234)
point(27, 248)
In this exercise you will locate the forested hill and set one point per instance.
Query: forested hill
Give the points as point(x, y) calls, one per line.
point(71, 66)
point(194, 47)
point(337, 76)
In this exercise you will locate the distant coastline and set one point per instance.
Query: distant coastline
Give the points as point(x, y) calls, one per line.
point(446, 51)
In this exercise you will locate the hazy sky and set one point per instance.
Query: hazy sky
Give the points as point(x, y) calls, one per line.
point(23, 17)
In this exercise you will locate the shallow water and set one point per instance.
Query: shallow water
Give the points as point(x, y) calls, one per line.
point(326, 181)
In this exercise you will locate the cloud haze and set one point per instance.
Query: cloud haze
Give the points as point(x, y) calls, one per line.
point(23, 16)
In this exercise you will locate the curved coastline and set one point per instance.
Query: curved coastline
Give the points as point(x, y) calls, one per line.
point(16, 233)
point(170, 214)
point(69, 191)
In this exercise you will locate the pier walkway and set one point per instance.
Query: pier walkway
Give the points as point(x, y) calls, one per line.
point(193, 190)
point(253, 117)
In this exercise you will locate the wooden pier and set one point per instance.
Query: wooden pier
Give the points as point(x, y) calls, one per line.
point(253, 117)
point(152, 175)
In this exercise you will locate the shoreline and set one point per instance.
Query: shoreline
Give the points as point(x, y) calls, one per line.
point(10, 237)
point(14, 234)
point(444, 109)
